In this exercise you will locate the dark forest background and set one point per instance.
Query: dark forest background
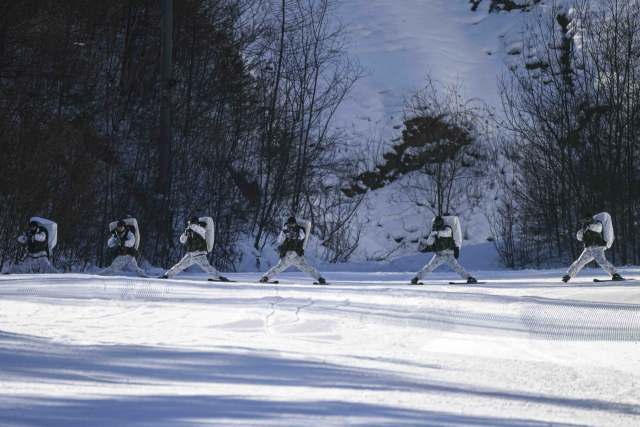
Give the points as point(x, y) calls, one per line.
point(255, 86)
point(571, 104)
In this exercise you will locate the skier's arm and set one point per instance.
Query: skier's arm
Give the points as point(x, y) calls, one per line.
point(579, 235)
point(23, 239)
point(596, 226)
point(281, 237)
point(445, 233)
point(41, 237)
point(200, 230)
point(301, 234)
point(131, 240)
point(184, 237)
point(431, 240)
point(113, 241)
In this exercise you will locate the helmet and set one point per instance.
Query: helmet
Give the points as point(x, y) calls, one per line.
point(33, 224)
point(121, 223)
point(291, 220)
point(194, 220)
point(438, 222)
point(588, 217)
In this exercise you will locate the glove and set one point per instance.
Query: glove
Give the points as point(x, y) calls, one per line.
point(300, 251)
point(434, 233)
point(426, 249)
point(456, 252)
point(288, 235)
point(282, 251)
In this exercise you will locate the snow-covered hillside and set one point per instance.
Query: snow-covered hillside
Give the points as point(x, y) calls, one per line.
point(524, 350)
point(400, 43)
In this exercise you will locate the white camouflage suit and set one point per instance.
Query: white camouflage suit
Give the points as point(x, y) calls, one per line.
point(292, 259)
point(35, 262)
point(591, 253)
point(195, 257)
point(123, 262)
point(446, 256)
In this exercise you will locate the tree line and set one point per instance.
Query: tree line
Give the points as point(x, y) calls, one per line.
point(255, 85)
point(572, 110)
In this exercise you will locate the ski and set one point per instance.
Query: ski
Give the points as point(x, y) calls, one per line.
point(466, 283)
point(275, 282)
point(611, 280)
point(221, 281)
point(321, 284)
point(416, 284)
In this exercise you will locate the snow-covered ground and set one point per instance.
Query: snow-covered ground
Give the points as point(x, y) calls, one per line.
point(400, 42)
point(523, 350)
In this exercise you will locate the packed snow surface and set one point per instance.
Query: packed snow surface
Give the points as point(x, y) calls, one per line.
point(523, 350)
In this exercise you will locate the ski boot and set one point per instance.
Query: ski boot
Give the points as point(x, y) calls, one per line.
point(223, 279)
point(566, 278)
point(471, 280)
point(414, 281)
point(264, 280)
point(616, 277)
point(321, 281)
point(163, 277)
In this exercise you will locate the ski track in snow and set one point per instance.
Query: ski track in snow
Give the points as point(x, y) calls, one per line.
point(523, 350)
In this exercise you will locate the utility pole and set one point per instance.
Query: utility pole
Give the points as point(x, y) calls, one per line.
point(163, 180)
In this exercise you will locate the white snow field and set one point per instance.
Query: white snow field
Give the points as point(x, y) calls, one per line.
point(523, 350)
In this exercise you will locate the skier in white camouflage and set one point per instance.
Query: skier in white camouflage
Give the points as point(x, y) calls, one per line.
point(291, 249)
point(37, 245)
point(194, 240)
point(441, 242)
point(591, 235)
point(123, 242)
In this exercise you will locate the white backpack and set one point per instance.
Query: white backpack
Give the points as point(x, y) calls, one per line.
point(210, 231)
point(131, 223)
point(304, 223)
point(607, 227)
point(52, 231)
point(454, 223)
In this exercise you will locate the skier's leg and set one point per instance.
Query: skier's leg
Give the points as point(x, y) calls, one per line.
point(14, 269)
point(44, 266)
point(185, 262)
point(453, 263)
point(22, 268)
point(203, 262)
point(601, 259)
point(584, 259)
point(435, 262)
point(117, 265)
point(303, 265)
point(133, 266)
point(281, 266)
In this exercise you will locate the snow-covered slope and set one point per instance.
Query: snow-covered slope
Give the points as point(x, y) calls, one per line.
point(525, 350)
point(400, 43)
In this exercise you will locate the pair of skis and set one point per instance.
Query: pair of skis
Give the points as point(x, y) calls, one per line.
point(451, 283)
point(275, 282)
